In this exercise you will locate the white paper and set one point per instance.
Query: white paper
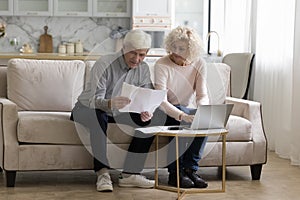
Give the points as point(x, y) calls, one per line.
point(153, 129)
point(142, 99)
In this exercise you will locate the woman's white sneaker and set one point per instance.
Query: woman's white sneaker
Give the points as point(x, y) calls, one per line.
point(136, 181)
point(104, 183)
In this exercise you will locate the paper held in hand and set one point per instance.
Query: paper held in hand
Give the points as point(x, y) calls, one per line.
point(142, 99)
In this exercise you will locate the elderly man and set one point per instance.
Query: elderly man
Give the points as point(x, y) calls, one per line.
point(100, 101)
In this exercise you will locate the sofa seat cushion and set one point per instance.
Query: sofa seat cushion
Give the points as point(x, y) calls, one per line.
point(47, 128)
point(239, 129)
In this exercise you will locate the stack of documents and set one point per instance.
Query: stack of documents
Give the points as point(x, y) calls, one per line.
point(142, 99)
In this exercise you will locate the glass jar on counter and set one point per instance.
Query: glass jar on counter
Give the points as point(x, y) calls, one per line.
point(70, 48)
point(62, 48)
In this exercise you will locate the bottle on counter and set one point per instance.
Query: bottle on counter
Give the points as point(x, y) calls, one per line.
point(70, 48)
point(78, 47)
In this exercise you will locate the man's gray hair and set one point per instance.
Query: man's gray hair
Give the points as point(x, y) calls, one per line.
point(137, 39)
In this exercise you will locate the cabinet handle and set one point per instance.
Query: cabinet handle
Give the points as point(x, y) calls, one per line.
point(111, 15)
point(31, 13)
point(151, 14)
point(72, 14)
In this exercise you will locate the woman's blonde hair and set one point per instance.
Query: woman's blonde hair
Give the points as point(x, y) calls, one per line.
point(188, 35)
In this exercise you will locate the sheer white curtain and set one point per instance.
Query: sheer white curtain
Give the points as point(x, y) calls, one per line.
point(295, 147)
point(274, 86)
point(274, 27)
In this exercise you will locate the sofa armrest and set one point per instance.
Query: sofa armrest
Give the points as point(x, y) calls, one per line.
point(8, 134)
point(251, 110)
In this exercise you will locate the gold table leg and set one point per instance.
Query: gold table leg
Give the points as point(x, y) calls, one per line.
point(156, 161)
point(223, 161)
point(181, 192)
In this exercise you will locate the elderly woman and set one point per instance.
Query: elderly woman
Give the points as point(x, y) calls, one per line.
point(183, 73)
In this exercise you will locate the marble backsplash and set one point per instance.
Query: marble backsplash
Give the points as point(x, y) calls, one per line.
point(94, 33)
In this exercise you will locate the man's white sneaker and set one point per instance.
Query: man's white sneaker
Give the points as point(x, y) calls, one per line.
point(104, 183)
point(136, 181)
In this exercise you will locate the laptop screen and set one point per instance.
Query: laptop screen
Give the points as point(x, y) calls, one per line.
point(211, 116)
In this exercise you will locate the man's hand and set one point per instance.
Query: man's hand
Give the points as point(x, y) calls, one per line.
point(187, 118)
point(118, 102)
point(146, 116)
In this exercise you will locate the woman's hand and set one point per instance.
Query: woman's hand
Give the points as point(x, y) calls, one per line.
point(146, 116)
point(118, 102)
point(187, 118)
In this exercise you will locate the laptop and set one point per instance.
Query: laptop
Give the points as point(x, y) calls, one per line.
point(209, 117)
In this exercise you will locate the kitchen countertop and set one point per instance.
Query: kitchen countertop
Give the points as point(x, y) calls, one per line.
point(51, 56)
point(56, 56)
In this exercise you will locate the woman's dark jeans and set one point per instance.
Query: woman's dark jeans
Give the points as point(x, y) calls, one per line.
point(190, 149)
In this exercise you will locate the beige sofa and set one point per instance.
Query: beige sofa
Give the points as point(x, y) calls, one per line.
point(36, 97)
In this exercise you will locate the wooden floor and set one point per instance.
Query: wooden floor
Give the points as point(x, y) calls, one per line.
point(279, 181)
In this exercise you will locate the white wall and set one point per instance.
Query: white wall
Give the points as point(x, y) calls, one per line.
point(190, 13)
point(91, 31)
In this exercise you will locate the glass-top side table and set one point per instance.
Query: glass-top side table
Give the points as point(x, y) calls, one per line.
point(190, 133)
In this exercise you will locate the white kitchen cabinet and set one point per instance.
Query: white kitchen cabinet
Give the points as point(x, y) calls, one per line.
point(161, 8)
point(6, 7)
point(33, 7)
point(73, 8)
point(111, 8)
point(155, 15)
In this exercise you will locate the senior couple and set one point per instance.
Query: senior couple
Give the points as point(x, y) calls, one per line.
point(182, 72)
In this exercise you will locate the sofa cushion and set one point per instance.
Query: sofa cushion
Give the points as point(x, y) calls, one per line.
point(47, 128)
point(239, 129)
point(218, 90)
point(51, 85)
